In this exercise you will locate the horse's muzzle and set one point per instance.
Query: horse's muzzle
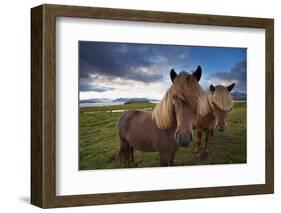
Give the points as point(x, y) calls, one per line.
point(183, 140)
point(221, 128)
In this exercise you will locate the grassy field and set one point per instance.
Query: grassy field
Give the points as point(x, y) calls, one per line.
point(99, 143)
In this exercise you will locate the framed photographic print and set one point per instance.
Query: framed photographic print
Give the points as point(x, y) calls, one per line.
point(135, 106)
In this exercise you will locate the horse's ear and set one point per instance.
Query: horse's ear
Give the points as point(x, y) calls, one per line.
point(212, 88)
point(198, 73)
point(173, 75)
point(230, 87)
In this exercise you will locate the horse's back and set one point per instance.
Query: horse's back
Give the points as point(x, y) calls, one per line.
point(126, 120)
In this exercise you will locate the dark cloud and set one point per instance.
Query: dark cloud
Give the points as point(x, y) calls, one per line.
point(86, 86)
point(237, 74)
point(128, 61)
point(89, 88)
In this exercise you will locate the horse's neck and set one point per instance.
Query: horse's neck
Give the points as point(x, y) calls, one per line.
point(208, 116)
point(204, 106)
point(204, 121)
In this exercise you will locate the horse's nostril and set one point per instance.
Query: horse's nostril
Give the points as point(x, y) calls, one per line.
point(188, 138)
point(221, 128)
point(183, 140)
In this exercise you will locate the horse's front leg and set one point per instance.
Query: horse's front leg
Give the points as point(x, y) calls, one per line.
point(198, 143)
point(207, 139)
point(164, 159)
point(172, 157)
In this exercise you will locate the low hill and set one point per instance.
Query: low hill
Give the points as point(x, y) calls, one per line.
point(239, 95)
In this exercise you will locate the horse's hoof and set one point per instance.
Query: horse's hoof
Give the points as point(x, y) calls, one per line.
point(205, 154)
point(197, 156)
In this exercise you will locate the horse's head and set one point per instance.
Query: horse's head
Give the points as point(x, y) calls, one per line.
point(221, 103)
point(185, 92)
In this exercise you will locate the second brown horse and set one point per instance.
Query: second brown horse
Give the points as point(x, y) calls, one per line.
point(212, 111)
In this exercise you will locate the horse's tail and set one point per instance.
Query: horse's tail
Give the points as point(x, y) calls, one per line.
point(125, 149)
point(212, 132)
point(124, 153)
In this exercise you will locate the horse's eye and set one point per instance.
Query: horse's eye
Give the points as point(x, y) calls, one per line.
point(175, 97)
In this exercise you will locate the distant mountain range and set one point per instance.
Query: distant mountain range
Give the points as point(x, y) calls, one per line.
point(96, 100)
point(122, 100)
point(235, 95)
point(239, 95)
point(133, 100)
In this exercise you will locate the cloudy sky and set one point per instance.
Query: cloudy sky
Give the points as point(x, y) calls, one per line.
point(114, 70)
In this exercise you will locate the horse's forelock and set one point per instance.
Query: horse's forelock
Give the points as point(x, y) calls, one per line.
point(222, 98)
point(184, 87)
point(187, 88)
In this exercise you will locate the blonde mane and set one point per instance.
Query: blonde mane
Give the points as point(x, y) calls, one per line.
point(186, 88)
point(163, 112)
point(221, 98)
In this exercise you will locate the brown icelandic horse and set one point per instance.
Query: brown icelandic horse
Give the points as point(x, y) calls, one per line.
point(212, 111)
point(168, 126)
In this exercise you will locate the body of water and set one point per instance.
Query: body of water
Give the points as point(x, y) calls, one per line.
point(100, 104)
point(107, 104)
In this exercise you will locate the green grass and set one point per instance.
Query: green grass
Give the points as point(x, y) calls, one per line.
point(99, 143)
